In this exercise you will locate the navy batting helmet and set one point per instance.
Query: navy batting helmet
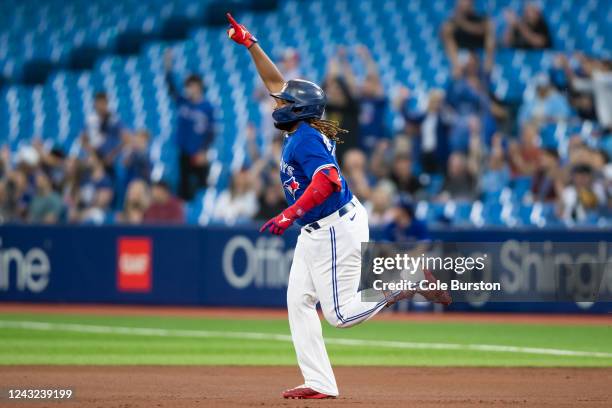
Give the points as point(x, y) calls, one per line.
point(306, 100)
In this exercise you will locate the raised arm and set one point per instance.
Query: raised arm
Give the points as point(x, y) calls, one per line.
point(268, 72)
point(172, 91)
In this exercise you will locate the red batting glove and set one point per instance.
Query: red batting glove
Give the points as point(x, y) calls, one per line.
point(239, 33)
point(279, 224)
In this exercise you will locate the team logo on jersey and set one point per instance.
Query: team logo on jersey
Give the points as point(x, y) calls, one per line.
point(291, 186)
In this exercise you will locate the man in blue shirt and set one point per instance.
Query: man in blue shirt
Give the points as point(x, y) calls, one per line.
point(405, 227)
point(104, 133)
point(374, 104)
point(195, 131)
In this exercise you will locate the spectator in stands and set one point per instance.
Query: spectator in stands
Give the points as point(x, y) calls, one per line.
point(5, 161)
point(382, 157)
point(97, 193)
point(403, 177)
point(136, 203)
point(469, 93)
point(574, 79)
point(71, 187)
point(16, 197)
point(93, 179)
point(547, 105)
point(476, 149)
point(583, 196)
point(268, 154)
point(525, 155)
point(528, 31)
point(165, 208)
point(46, 206)
point(5, 213)
point(379, 206)
point(466, 29)
point(355, 172)
point(104, 133)
point(28, 161)
point(373, 103)
point(496, 176)
point(547, 182)
point(264, 173)
point(469, 85)
point(432, 126)
point(588, 83)
point(100, 211)
point(460, 182)
point(290, 63)
point(557, 72)
point(271, 199)
point(342, 101)
point(195, 130)
point(239, 202)
point(600, 160)
point(405, 227)
point(602, 90)
point(52, 162)
point(136, 157)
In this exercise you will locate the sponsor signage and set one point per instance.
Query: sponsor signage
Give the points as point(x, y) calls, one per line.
point(237, 266)
point(134, 264)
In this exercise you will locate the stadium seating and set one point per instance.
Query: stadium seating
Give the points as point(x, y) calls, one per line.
point(403, 38)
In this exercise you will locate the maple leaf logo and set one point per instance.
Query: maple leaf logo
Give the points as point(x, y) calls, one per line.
point(291, 186)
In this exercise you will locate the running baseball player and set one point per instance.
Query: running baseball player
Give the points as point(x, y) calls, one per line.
point(326, 264)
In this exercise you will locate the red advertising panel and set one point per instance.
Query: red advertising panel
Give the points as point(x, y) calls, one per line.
point(134, 264)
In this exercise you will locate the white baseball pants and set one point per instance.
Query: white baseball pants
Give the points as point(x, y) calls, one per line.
point(327, 268)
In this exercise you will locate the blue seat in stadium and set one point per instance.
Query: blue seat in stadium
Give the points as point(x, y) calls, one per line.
point(461, 215)
point(520, 186)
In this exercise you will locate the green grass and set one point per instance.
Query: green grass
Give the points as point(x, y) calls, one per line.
point(54, 346)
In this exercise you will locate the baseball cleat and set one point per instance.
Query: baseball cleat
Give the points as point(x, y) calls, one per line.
point(303, 392)
point(393, 298)
point(436, 296)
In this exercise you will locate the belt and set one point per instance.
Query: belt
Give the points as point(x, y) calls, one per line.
point(342, 211)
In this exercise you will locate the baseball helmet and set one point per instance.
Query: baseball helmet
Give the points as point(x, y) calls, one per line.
point(306, 100)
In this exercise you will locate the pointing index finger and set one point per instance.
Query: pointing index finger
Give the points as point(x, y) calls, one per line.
point(265, 227)
point(233, 22)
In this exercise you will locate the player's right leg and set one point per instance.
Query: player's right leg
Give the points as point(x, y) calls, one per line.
point(336, 272)
point(305, 324)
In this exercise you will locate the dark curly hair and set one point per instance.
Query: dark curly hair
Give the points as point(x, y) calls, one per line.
point(329, 128)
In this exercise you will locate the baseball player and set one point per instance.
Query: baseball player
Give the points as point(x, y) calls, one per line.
point(326, 265)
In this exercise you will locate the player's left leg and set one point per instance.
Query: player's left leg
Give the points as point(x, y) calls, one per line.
point(305, 324)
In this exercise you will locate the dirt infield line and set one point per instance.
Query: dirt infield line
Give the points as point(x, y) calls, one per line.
point(263, 313)
point(155, 332)
point(220, 386)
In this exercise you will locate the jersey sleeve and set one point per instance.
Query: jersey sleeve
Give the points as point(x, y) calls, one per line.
point(315, 154)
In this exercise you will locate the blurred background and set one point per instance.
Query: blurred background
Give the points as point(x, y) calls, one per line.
point(464, 117)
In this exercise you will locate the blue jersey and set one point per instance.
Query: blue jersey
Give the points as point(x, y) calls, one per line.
point(195, 127)
point(305, 152)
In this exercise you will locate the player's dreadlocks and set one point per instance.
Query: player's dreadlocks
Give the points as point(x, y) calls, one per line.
point(329, 128)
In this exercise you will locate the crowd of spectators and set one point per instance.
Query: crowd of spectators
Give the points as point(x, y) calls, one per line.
point(108, 179)
point(461, 143)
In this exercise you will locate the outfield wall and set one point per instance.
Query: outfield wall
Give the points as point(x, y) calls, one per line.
point(214, 266)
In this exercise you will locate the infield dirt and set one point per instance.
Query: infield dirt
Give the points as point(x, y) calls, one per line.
point(163, 386)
